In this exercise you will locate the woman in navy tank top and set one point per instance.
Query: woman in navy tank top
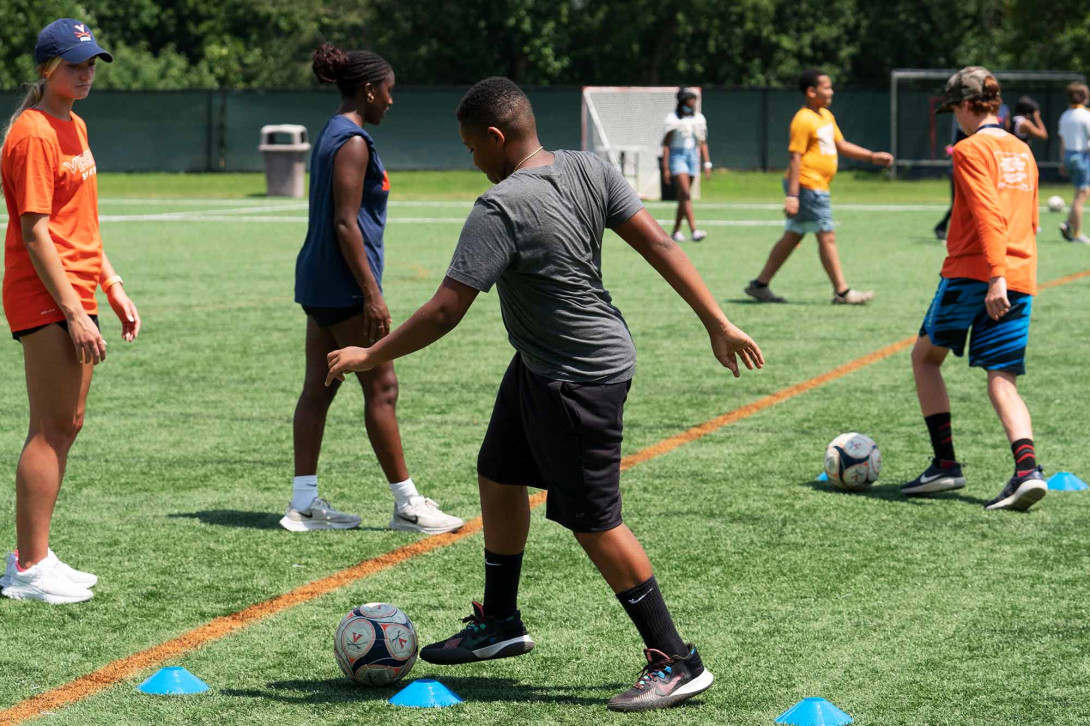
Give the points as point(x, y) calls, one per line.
point(338, 281)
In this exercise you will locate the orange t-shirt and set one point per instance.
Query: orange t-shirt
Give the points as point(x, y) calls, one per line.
point(993, 226)
point(47, 168)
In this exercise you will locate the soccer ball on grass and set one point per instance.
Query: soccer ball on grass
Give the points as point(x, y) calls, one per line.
point(375, 644)
point(852, 461)
point(1056, 203)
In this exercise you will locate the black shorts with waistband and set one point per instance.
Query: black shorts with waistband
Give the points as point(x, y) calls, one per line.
point(562, 437)
point(16, 334)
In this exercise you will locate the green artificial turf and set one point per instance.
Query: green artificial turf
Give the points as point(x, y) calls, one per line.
point(900, 612)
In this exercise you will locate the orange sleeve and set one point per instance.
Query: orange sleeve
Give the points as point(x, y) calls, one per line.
point(33, 165)
point(800, 136)
point(975, 186)
point(837, 135)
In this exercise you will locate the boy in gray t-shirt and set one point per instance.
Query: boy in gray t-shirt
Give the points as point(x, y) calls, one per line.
point(557, 421)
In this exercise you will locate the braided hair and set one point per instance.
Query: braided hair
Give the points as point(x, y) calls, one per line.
point(350, 70)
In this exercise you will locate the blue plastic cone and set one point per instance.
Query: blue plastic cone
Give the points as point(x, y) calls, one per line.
point(425, 693)
point(173, 681)
point(1065, 481)
point(822, 477)
point(814, 712)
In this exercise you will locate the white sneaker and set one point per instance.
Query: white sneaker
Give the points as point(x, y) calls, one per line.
point(699, 234)
point(83, 579)
point(318, 516)
point(1081, 239)
point(44, 582)
point(853, 297)
point(422, 515)
point(678, 236)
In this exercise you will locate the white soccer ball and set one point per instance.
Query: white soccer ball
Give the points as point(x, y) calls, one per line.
point(1056, 203)
point(853, 461)
point(375, 644)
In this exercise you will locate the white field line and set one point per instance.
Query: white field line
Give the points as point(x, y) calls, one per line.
point(269, 205)
point(270, 219)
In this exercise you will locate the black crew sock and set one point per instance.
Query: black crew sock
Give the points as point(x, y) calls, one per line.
point(942, 437)
point(501, 584)
point(758, 284)
point(844, 292)
point(647, 609)
point(1025, 457)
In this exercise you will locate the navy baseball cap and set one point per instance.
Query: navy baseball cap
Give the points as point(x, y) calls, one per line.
point(70, 39)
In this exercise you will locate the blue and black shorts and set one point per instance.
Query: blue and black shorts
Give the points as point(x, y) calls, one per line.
point(996, 345)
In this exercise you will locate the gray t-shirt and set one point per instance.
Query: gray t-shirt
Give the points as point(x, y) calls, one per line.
point(538, 236)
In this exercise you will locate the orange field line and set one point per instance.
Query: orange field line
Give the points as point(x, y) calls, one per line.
point(220, 627)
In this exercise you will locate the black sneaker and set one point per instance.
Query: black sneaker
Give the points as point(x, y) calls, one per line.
point(1021, 492)
point(935, 479)
point(1065, 232)
point(484, 638)
point(762, 293)
point(940, 233)
point(665, 681)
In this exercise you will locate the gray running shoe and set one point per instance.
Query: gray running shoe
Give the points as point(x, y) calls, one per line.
point(762, 293)
point(318, 516)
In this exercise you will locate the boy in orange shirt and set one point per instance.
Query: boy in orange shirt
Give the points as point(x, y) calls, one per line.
point(815, 142)
point(987, 284)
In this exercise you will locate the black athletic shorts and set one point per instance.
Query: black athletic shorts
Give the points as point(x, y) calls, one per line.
point(562, 437)
point(63, 323)
point(326, 317)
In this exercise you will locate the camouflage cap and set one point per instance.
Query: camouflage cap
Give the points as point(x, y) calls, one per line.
point(963, 85)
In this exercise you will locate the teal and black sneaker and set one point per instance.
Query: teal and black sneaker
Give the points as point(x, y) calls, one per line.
point(665, 681)
point(484, 638)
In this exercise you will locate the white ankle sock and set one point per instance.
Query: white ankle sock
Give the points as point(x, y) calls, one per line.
point(403, 491)
point(304, 490)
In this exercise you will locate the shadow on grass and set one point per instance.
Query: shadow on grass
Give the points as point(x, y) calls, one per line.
point(751, 301)
point(244, 520)
point(469, 688)
point(892, 493)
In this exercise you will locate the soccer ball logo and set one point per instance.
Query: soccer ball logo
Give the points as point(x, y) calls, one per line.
point(853, 461)
point(375, 644)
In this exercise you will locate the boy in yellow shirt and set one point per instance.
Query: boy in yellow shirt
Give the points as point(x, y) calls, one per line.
point(815, 142)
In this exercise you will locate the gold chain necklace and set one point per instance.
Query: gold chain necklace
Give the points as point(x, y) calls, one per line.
point(531, 155)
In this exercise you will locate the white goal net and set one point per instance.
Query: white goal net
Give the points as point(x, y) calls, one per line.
point(624, 125)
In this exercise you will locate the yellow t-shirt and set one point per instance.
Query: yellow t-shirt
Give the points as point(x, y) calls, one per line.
point(814, 135)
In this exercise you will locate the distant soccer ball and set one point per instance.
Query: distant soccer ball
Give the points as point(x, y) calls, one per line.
point(1056, 203)
point(375, 644)
point(853, 461)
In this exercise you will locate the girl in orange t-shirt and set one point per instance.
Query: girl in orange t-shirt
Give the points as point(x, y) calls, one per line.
point(987, 285)
point(53, 262)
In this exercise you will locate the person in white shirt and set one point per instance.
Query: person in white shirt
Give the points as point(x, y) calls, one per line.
point(685, 139)
point(1075, 151)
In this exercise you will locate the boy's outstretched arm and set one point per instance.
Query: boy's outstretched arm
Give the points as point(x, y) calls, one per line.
point(850, 150)
point(729, 342)
point(432, 321)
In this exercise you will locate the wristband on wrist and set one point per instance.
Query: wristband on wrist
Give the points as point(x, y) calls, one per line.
point(111, 281)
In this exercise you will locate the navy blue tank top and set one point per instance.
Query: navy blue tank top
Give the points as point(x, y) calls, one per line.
point(322, 277)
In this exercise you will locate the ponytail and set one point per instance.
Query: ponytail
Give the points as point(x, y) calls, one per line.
point(34, 92)
point(989, 100)
point(350, 70)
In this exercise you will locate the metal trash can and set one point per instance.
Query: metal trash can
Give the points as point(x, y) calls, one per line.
point(285, 148)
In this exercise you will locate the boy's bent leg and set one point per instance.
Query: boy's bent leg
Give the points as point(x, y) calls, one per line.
point(1008, 404)
point(944, 472)
point(830, 260)
point(1027, 486)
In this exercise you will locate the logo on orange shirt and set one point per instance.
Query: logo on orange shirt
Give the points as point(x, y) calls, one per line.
point(83, 164)
point(1013, 170)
